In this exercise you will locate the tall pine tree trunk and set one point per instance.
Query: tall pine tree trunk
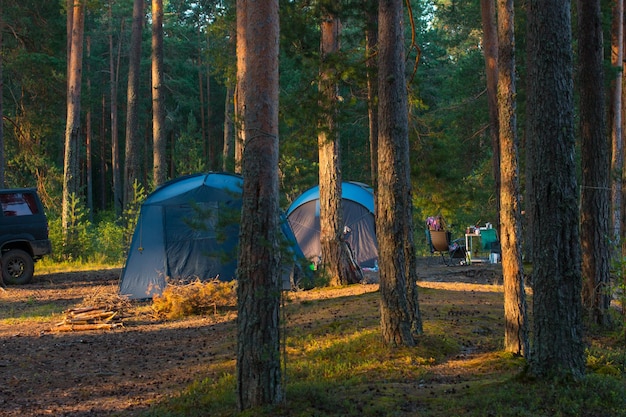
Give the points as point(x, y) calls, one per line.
point(2, 161)
point(89, 138)
point(515, 317)
point(490, 51)
point(114, 66)
point(159, 165)
point(615, 122)
point(72, 128)
point(133, 134)
point(239, 96)
point(335, 258)
point(400, 315)
point(209, 138)
point(595, 190)
point(228, 163)
point(228, 149)
point(558, 348)
point(371, 39)
point(259, 380)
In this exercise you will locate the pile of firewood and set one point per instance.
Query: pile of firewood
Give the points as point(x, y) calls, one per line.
point(89, 318)
point(101, 310)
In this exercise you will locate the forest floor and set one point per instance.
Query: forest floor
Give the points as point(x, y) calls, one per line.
point(123, 370)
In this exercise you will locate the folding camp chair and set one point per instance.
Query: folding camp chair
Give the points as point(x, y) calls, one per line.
point(440, 243)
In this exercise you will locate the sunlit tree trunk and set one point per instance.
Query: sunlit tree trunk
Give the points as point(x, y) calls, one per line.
point(69, 6)
point(133, 137)
point(490, 51)
point(72, 128)
point(400, 315)
point(595, 190)
point(515, 317)
point(228, 149)
point(240, 88)
point(335, 258)
point(159, 166)
point(259, 380)
point(558, 348)
point(615, 121)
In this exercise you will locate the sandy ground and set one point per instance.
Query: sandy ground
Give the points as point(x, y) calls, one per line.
point(44, 372)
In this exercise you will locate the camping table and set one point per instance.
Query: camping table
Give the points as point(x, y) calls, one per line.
point(470, 254)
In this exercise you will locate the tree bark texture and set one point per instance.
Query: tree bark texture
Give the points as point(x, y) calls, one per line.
point(515, 311)
point(400, 315)
point(595, 190)
point(615, 120)
point(558, 347)
point(72, 127)
point(621, 181)
point(335, 258)
point(69, 4)
point(259, 379)
point(88, 138)
point(229, 135)
point(159, 162)
point(209, 137)
point(240, 88)
point(329, 151)
point(115, 147)
point(133, 138)
point(490, 51)
point(2, 158)
point(371, 39)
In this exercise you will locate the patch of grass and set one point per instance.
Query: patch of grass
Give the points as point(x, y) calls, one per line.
point(29, 311)
point(336, 365)
point(48, 265)
point(595, 395)
point(606, 355)
point(218, 396)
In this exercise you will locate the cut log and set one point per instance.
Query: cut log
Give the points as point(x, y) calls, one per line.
point(95, 326)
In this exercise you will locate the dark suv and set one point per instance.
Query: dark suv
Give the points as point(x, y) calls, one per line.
point(23, 234)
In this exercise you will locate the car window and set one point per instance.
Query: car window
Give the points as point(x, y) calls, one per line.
point(18, 204)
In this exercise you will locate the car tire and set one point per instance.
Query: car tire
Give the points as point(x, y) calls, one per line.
point(17, 267)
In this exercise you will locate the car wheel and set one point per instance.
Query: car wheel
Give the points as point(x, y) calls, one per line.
point(17, 267)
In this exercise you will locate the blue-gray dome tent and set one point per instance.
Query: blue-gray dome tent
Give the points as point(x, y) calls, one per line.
point(357, 200)
point(187, 228)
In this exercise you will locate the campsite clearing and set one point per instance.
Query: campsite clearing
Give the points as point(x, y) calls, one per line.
point(123, 370)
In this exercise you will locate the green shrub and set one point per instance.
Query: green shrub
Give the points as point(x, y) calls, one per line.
point(109, 240)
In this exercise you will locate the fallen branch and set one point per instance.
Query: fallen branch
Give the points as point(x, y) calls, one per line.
point(78, 327)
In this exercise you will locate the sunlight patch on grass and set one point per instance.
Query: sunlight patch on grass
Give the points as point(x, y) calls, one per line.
point(608, 357)
point(207, 394)
point(30, 312)
point(337, 365)
point(361, 355)
point(49, 266)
